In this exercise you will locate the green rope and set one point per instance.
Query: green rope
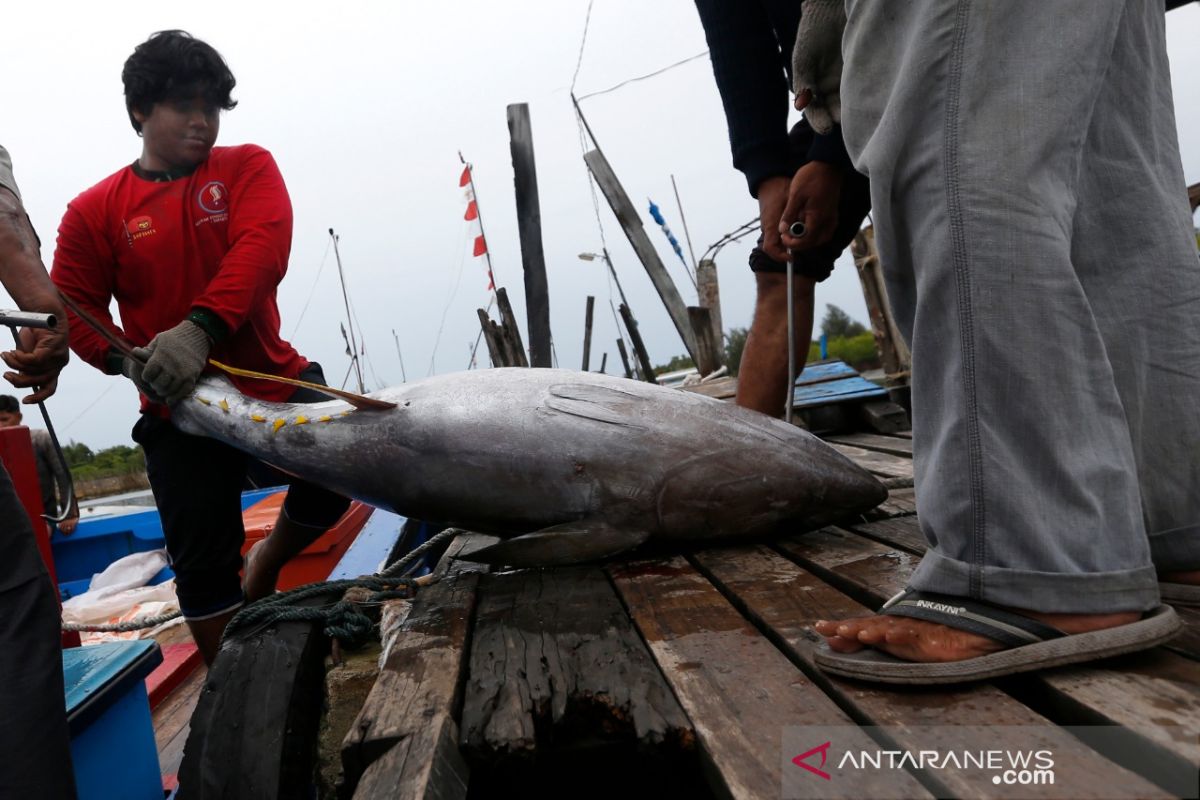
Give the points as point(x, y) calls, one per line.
point(343, 620)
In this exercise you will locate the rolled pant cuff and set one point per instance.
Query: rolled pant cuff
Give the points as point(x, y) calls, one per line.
point(1051, 592)
point(1176, 549)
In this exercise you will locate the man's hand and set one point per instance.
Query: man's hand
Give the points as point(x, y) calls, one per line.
point(42, 356)
point(813, 199)
point(174, 360)
point(817, 62)
point(68, 525)
point(772, 197)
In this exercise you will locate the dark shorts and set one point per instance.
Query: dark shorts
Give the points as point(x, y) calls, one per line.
point(817, 263)
point(198, 484)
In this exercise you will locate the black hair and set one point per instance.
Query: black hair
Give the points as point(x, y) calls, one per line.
point(174, 65)
point(8, 404)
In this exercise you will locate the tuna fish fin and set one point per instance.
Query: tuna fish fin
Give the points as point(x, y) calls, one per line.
point(568, 543)
point(599, 403)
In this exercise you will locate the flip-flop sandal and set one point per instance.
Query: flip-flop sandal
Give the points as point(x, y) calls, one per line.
point(1030, 645)
point(1181, 594)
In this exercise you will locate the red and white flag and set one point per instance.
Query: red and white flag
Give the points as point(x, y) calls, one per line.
point(472, 215)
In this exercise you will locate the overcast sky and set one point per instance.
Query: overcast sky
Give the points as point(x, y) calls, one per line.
point(365, 108)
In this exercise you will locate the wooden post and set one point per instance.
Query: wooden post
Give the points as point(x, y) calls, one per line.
point(631, 223)
point(495, 350)
point(529, 224)
point(587, 333)
point(639, 349)
point(706, 345)
point(624, 358)
point(512, 333)
point(897, 360)
point(710, 295)
point(604, 363)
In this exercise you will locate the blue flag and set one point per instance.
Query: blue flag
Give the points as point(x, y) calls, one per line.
point(658, 217)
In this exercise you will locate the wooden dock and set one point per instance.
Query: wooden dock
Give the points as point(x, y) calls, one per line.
point(682, 674)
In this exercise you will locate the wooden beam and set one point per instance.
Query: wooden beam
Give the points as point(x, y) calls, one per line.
point(554, 664)
point(529, 224)
point(624, 358)
point(587, 333)
point(512, 333)
point(404, 743)
point(489, 338)
point(709, 294)
point(631, 223)
point(604, 363)
point(639, 348)
point(1194, 196)
point(709, 354)
point(897, 359)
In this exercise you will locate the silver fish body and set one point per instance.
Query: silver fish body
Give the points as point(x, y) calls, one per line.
point(574, 465)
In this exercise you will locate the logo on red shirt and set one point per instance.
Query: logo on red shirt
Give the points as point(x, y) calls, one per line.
point(214, 197)
point(140, 224)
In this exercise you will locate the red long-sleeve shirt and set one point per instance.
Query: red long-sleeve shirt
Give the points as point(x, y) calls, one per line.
point(216, 240)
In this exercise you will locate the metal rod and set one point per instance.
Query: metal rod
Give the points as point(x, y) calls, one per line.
point(796, 229)
point(791, 329)
point(349, 320)
point(403, 376)
point(686, 235)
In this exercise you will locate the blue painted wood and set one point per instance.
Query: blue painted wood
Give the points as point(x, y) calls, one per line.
point(369, 551)
point(820, 371)
point(836, 391)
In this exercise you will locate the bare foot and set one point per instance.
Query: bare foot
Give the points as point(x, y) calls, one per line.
point(925, 642)
point(258, 579)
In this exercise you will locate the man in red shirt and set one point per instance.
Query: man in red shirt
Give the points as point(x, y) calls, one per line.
point(192, 241)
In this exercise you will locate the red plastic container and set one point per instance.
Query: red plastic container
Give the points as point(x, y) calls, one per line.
point(317, 560)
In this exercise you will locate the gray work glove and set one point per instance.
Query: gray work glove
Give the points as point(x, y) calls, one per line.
point(174, 360)
point(133, 370)
point(817, 62)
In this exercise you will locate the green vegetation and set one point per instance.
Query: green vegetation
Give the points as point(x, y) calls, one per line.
point(848, 340)
point(119, 460)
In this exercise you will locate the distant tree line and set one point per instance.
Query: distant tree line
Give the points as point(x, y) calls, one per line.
point(88, 465)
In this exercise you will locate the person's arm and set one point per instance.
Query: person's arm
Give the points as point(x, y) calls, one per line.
point(42, 353)
point(83, 271)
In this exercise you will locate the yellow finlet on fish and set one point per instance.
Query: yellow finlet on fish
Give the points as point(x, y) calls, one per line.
point(279, 423)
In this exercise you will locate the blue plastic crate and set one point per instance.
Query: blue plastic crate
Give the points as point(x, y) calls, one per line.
point(108, 713)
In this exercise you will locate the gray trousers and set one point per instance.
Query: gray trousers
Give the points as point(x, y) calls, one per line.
point(1031, 216)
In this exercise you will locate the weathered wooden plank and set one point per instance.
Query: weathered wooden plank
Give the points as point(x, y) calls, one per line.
point(718, 388)
point(428, 767)
point(896, 445)
point(555, 663)
point(1155, 694)
point(822, 371)
point(785, 600)
point(902, 532)
point(631, 223)
point(529, 227)
point(172, 720)
point(406, 729)
point(738, 689)
point(645, 368)
point(587, 332)
point(900, 503)
point(885, 464)
point(709, 355)
point(839, 391)
point(510, 332)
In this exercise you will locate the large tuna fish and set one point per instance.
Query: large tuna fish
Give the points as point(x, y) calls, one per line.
point(572, 466)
